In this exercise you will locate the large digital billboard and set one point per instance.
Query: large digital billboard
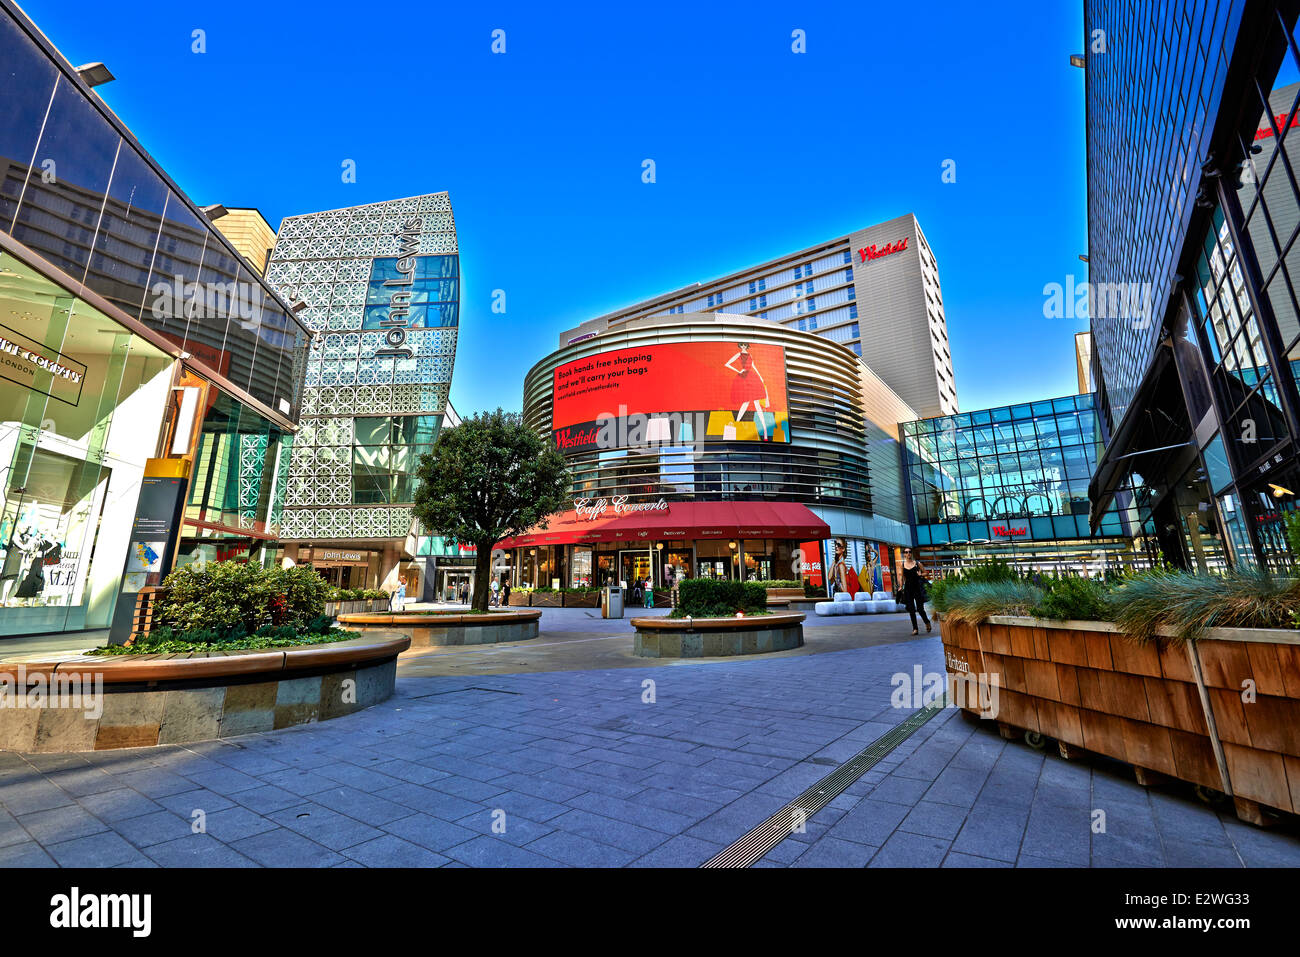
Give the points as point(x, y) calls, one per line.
point(670, 394)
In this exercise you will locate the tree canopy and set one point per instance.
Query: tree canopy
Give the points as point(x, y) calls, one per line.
point(489, 478)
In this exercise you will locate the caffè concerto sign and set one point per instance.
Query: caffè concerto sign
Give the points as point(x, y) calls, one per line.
point(587, 509)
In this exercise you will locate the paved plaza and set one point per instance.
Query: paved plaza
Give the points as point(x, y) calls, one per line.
point(522, 757)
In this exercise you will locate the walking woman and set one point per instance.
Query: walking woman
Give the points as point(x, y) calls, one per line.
point(913, 589)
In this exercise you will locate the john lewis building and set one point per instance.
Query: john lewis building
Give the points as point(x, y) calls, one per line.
point(381, 288)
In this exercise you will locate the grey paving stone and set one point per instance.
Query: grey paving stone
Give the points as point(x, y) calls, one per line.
point(61, 824)
point(25, 854)
point(955, 859)
point(871, 822)
point(900, 790)
point(833, 852)
point(284, 848)
point(392, 851)
point(324, 826)
point(156, 828)
point(579, 851)
point(1189, 854)
point(992, 830)
point(267, 799)
point(628, 837)
point(490, 852)
point(96, 850)
point(234, 823)
point(634, 812)
point(934, 820)
point(360, 805)
point(904, 849)
point(429, 831)
point(196, 850)
point(186, 802)
point(1059, 834)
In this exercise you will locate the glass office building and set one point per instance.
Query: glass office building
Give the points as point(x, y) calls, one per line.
point(380, 286)
point(130, 331)
point(1199, 401)
point(1012, 483)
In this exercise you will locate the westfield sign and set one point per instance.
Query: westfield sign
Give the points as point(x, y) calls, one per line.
point(1004, 532)
point(590, 509)
point(875, 252)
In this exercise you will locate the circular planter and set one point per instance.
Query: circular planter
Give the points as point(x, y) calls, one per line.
point(438, 630)
point(133, 701)
point(716, 637)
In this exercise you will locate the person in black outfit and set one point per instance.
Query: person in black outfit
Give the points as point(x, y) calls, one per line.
point(913, 590)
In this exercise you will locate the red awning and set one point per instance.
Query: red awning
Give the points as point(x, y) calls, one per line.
point(681, 520)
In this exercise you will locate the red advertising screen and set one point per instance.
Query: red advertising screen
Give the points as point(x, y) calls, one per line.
point(671, 393)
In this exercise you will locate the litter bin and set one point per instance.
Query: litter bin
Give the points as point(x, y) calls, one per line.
point(611, 602)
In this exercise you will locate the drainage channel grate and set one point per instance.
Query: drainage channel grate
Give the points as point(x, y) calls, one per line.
point(751, 848)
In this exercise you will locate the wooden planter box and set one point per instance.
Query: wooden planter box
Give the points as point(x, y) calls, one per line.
point(547, 599)
point(784, 593)
point(1176, 708)
point(519, 599)
point(588, 600)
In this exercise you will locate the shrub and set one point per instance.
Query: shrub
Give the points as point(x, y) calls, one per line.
point(813, 591)
point(972, 602)
point(219, 595)
point(1188, 603)
point(712, 598)
point(1071, 598)
point(777, 583)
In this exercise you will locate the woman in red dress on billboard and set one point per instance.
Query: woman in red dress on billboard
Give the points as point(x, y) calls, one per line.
point(747, 387)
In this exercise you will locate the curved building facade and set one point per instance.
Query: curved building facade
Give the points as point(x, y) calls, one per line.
point(701, 445)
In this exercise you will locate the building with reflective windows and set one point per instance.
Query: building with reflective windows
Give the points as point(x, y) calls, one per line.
point(875, 290)
point(1194, 219)
point(1012, 483)
point(381, 288)
point(143, 362)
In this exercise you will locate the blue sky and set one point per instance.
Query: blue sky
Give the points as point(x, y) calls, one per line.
point(758, 150)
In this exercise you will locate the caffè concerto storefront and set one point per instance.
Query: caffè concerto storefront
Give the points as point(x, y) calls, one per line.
point(616, 542)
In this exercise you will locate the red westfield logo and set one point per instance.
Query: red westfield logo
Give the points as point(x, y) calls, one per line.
point(575, 438)
point(1004, 531)
point(874, 252)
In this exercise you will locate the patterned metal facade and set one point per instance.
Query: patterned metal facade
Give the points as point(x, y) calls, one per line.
point(381, 287)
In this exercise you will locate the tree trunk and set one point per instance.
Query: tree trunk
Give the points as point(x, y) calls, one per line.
point(482, 575)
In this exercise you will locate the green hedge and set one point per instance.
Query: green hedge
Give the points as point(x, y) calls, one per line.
point(238, 598)
point(711, 598)
point(778, 583)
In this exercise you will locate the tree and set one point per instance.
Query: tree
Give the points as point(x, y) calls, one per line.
point(489, 478)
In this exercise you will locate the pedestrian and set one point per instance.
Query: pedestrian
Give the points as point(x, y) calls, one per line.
point(464, 593)
point(505, 593)
point(398, 597)
point(649, 594)
point(636, 592)
point(496, 593)
point(913, 589)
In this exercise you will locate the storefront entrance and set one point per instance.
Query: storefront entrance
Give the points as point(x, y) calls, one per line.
point(449, 583)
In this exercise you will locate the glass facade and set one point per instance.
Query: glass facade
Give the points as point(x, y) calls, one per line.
point(117, 296)
point(381, 287)
point(1220, 219)
point(1010, 475)
point(73, 446)
point(1154, 78)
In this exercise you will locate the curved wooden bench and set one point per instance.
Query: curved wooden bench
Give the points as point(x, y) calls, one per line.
point(433, 630)
point(437, 618)
point(195, 666)
point(717, 637)
point(778, 620)
point(130, 701)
